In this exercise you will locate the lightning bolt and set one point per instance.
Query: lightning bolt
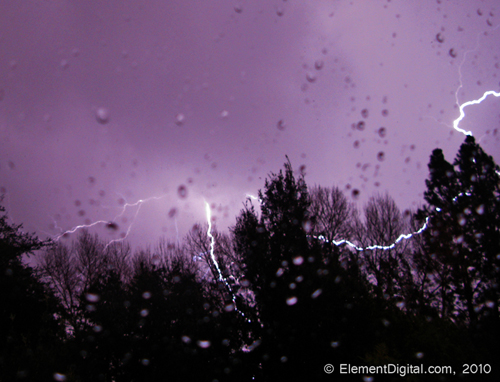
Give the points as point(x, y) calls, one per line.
point(212, 256)
point(111, 223)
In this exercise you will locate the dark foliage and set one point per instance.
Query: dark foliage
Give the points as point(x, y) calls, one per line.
point(284, 299)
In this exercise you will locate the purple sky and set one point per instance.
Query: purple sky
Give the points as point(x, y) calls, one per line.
point(103, 103)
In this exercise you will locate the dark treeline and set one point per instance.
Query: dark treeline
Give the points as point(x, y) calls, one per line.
point(281, 300)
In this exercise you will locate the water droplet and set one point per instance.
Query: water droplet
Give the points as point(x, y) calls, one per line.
point(229, 307)
point(284, 359)
point(281, 125)
point(179, 119)
point(145, 362)
point(291, 301)
point(112, 226)
point(280, 272)
point(360, 125)
point(102, 115)
point(480, 209)
point(440, 38)
point(59, 377)
point(334, 344)
point(98, 328)
point(204, 344)
point(419, 355)
point(186, 339)
point(380, 156)
point(355, 193)
point(292, 286)
point(310, 77)
point(316, 293)
point(298, 260)
point(146, 295)
point(238, 8)
point(64, 64)
point(224, 114)
point(356, 144)
point(382, 132)
point(364, 113)
point(182, 191)
point(367, 378)
point(318, 65)
point(92, 297)
point(452, 53)
point(385, 113)
point(144, 312)
point(280, 11)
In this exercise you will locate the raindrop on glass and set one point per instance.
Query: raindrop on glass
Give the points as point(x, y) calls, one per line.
point(382, 132)
point(291, 301)
point(281, 125)
point(102, 115)
point(318, 65)
point(380, 156)
point(203, 344)
point(182, 191)
point(364, 113)
point(310, 77)
point(179, 119)
point(92, 297)
point(360, 125)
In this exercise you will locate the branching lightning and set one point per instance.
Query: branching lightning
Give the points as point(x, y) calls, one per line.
point(112, 223)
point(216, 264)
point(468, 103)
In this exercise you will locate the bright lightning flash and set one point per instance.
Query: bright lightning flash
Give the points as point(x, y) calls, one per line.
point(212, 256)
point(110, 223)
point(468, 103)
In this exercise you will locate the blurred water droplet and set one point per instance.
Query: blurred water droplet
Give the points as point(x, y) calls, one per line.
point(182, 191)
point(145, 362)
point(334, 344)
point(310, 77)
point(144, 312)
point(59, 377)
point(281, 125)
point(385, 113)
point(179, 119)
point(291, 301)
point(146, 295)
point(382, 132)
point(319, 64)
point(452, 53)
point(186, 339)
point(480, 209)
point(380, 156)
point(238, 8)
point(92, 297)
point(280, 272)
point(316, 293)
point(419, 355)
point(229, 307)
point(298, 260)
point(64, 64)
point(367, 378)
point(360, 125)
point(204, 344)
point(172, 213)
point(102, 115)
point(224, 114)
point(364, 113)
point(440, 38)
point(280, 11)
point(355, 193)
